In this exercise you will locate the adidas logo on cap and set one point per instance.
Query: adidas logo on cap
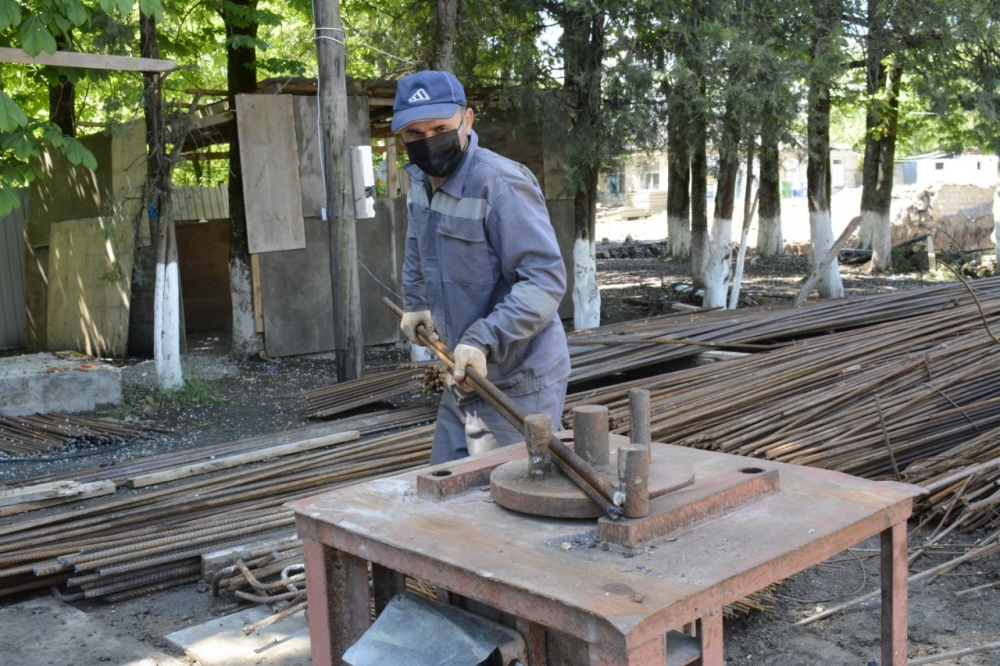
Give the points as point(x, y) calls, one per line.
point(419, 96)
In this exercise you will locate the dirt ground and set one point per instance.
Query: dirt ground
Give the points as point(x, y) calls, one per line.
point(257, 397)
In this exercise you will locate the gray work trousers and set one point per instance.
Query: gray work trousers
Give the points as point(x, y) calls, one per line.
point(472, 428)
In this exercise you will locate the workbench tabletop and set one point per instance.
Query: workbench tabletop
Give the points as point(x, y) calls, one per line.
point(556, 571)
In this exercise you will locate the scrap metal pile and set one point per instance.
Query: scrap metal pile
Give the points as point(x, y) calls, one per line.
point(896, 386)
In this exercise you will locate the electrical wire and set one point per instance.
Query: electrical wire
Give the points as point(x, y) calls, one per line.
point(71, 456)
point(382, 284)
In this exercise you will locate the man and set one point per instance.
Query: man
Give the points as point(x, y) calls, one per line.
point(482, 268)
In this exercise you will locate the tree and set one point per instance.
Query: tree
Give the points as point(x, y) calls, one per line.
point(825, 60)
point(159, 168)
point(444, 37)
point(242, 22)
point(583, 46)
point(883, 76)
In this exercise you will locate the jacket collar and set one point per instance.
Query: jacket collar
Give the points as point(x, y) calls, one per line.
point(456, 181)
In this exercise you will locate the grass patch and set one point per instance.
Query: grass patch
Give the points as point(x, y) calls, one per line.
point(196, 392)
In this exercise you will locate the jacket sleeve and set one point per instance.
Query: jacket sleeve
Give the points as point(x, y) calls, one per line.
point(519, 231)
point(414, 289)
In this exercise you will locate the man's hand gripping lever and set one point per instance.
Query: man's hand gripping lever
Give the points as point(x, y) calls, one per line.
point(471, 357)
point(412, 321)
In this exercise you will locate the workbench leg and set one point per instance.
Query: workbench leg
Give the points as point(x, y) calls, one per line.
point(653, 653)
point(339, 611)
point(710, 634)
point(894, 596)
point(534, 636)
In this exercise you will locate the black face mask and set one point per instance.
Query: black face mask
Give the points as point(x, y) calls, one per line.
point(437, 156)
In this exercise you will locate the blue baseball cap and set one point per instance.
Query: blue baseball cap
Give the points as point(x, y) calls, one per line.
point(426, 95)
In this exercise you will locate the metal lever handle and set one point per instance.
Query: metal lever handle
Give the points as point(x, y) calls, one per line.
point(601, 491)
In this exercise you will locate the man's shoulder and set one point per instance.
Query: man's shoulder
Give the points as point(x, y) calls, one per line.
point(490, 166)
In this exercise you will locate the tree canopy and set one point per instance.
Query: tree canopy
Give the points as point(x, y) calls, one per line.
point(743, 63)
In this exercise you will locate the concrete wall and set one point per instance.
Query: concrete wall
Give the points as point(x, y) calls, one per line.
point(12, 290)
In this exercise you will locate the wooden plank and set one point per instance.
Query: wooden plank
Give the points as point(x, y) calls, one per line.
point(258, 301)
point(226, 462)
point(87, 61)
point(86, 311)
point(87, 491)
point(271, 186)
point(40, 491)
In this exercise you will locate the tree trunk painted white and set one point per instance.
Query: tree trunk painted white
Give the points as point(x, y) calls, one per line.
point(679, 236)
point(166, 310)
point(881, 242)
point(716, 267)
point(770, 241)
point(586, 295)
point(246, 341)
point(821, 233)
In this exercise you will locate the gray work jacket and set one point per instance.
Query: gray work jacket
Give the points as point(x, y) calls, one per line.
point(482, 256)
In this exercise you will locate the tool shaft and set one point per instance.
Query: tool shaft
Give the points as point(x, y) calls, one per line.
point(582, 473)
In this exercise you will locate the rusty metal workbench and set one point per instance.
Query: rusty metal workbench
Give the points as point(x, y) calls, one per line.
point(621, 607)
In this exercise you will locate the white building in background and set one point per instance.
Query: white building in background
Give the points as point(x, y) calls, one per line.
point(944, 168)
point(844, 169)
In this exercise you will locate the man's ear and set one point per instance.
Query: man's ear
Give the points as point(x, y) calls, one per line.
point(468, 118)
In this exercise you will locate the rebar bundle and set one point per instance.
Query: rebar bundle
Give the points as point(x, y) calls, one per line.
point(152, 540)
point(648, 342)
point(877, 402)
point(43, 433)
point(376, 386)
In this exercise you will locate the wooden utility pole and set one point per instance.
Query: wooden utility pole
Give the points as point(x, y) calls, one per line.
point(335, 154)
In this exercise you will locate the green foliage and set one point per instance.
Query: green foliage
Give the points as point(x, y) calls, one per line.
point(35, 36)
point(11, 115)
point(40, 26)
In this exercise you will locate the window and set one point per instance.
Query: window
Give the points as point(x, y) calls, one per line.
point(979, 166)
point(939, 166)
point(652, 181)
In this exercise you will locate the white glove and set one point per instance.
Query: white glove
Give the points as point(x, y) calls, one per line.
point(473, 357)
point(411, 320)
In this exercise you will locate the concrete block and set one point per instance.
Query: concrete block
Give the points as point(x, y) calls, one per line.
point(220, 642)
point(47, 384)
